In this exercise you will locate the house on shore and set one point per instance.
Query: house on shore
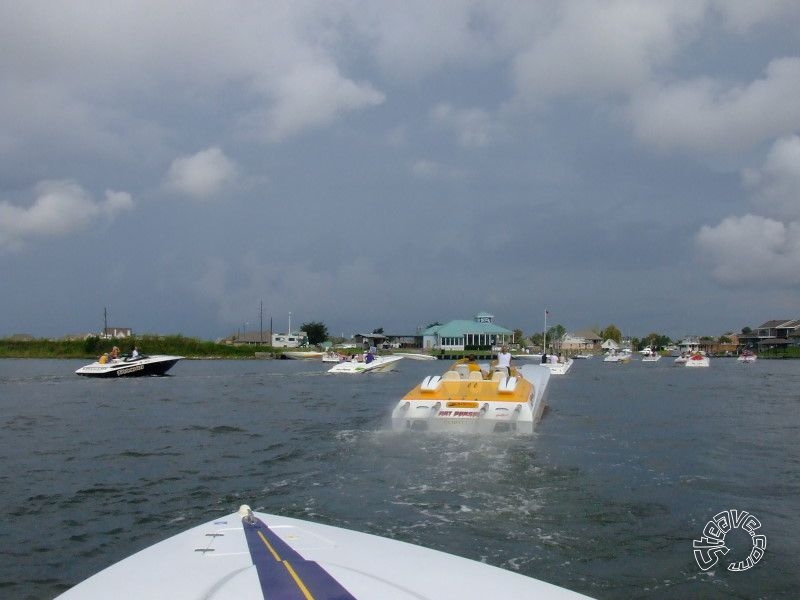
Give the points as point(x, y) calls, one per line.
point(580, 341)
point(479, 333)
point(772, 335)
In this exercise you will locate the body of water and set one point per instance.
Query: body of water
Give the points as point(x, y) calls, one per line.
point(628, 465)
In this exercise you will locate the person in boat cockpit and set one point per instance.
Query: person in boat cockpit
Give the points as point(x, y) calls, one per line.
point(134, 353)
point(504, 359)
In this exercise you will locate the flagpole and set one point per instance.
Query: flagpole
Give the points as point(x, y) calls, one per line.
point(544, 343)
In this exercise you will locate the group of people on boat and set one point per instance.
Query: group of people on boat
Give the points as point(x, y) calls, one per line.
point(553, 359)
point(107, 357)
point(503, 362)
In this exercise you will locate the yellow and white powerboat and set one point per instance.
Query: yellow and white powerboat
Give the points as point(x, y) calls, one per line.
point(472, 398)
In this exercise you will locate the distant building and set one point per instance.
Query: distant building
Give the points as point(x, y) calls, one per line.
point(778, 333)
point(610, 345)
point(268, 338)
point(480, 333)
point(579, 341)
point(116, 332)
point(21, 337)
point(289, 340)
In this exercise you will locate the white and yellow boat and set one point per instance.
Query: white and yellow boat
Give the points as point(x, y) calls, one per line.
point(466, 399)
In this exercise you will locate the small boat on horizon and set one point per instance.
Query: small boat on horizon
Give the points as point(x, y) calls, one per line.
point(302, 355)
point(650, 355)
point(747, 357)
point(698, 359)
point(359, 364)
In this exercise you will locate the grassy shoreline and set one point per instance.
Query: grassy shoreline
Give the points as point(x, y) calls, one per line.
point(92, 347)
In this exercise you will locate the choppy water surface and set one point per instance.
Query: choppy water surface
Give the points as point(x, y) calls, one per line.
point(628, 465)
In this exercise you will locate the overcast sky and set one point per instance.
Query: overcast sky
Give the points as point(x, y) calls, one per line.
point(389, 164)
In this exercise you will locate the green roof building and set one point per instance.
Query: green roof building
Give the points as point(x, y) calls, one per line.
point(480, 333)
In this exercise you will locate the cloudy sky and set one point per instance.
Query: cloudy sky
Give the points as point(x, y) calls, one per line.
point(388, 164)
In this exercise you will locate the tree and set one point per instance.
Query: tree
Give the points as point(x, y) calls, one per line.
point(746, 331)
point(556, 332)
point(378, 331)
point(518, 336)
point(316, 332)
point(536, 339)
point(611, 333)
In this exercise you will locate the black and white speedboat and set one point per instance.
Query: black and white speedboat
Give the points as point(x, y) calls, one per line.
point(157, 364)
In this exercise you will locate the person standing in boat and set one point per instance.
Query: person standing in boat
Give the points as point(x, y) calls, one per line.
point(504, 359)
point(135, 353)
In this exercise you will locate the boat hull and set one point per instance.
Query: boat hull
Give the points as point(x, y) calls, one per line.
point(248, 556)
point(560, 368)
point(697, 362)
point(379, 363)
point(500, 404)
point(146, 366)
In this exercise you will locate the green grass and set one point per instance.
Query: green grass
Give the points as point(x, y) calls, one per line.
point(93, 347)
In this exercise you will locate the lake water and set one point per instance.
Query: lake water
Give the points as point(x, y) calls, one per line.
point(628, 465)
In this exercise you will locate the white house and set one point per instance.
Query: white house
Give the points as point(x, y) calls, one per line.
point(462, 334)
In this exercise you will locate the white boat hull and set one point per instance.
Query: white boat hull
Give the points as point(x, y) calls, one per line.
point(559, 368)
point(302, 355)
point(379, 363)
point(695, 362)
point(158, 364)
point(415, 355)
point(254, 556)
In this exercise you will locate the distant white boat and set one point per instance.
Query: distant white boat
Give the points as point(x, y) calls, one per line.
point(698, 360)
point(302, 355)
point(414, 355)
point(649, 355)
point(621, 356)
point(248, 555)
point(583, 356)
point(333, 357)
point(354, 367)
point(559, 367)
point(747, 357)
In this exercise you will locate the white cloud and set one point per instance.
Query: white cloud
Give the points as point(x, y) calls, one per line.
point(775, 188)
point(599, 48)
point(705, 115)
point(310, 95)
point(752, 250)
point(201, 175)
point(473, 127)
point(60, 208)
